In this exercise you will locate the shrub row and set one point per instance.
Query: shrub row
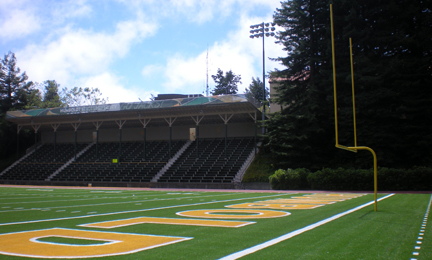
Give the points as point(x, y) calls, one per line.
point(416, 179)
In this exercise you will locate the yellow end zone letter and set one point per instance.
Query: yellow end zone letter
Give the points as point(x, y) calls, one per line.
point(26, 243)
point(233, 213)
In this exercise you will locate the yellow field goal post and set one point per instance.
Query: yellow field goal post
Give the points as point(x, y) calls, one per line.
point(354, 148)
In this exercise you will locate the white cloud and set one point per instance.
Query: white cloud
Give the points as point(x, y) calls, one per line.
point(20, 18)
point(113, 90)
point(181, 73)
point(110, 87)
point(81, 53)
point(18, 23)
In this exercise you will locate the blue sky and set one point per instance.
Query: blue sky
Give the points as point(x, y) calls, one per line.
point(130, 49)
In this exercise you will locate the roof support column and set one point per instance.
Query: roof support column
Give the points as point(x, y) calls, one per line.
point(197, 121)
point(144, 122)
point(120, 123)
point(75, 126)
point(19, 127)
point(36, 128)
point(97, 124)
point(254, 117)
point(170, 123)
point(226, 119)
point(55, 126)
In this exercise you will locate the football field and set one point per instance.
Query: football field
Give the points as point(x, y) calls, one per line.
point(109, 223)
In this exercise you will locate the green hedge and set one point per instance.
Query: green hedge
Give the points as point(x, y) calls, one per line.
point(341, 179)
point(289, 179)
point(416, 179)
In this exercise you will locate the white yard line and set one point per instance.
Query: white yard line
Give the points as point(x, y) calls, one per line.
point(296, 232)
point(140, 210)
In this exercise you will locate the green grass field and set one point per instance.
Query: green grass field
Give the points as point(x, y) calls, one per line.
point(31, 217)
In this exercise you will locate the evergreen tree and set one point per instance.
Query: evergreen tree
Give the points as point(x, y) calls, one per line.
point(33, 99)
point(255, 91)
point(13, 84)
point(51, 96)
point(299, 134)
point(227, 84)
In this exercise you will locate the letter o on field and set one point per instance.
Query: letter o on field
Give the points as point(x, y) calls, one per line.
point(26, 243)
point(233, 213)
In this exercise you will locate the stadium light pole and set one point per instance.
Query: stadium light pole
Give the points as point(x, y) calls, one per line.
point(262, 30)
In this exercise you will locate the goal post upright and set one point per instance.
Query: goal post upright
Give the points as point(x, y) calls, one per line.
point(354, 148)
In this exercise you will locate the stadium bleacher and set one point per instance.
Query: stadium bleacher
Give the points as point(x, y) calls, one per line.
point(42, 163)
point(133, 166)
point(210, 164)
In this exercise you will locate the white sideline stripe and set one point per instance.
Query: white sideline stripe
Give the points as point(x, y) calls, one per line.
point(139, 210)
point(296, 232)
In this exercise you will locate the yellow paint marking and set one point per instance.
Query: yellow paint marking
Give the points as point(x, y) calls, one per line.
point(304, 202)
point(27, 244)
point(350, 195)
point(264, 205)
point(325, 197)
point(308, 198)
point(228, 213)
point(171, 221)
point(332, 196)
point(297, 201)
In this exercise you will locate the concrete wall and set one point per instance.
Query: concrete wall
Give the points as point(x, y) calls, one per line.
point(153, 133)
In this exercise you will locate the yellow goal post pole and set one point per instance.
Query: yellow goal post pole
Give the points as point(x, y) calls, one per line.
point(334, 86)
point(355, 148)
point(353, 93)
point(375, 171)
point(334, 76)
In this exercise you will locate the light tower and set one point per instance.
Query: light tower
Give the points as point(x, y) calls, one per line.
point(261, 30)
